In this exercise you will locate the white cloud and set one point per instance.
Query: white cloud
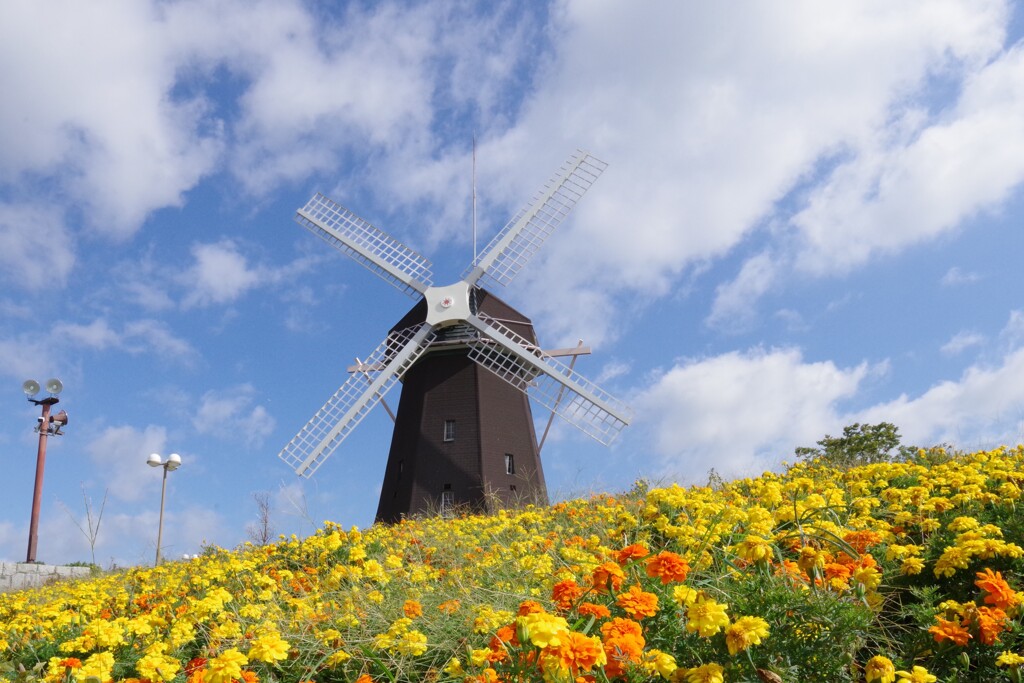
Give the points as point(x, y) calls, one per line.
point(219, 275)
point(120, 454)
point(135, 337)
point(120, 144)
point(894, 193)
point(958, 276)
point(742, 413)
point(230, 414)
point(35, 248)
point(1012, 334)
point(667, 100)
point(962, 341)
point(733, 307)
point(985, 407)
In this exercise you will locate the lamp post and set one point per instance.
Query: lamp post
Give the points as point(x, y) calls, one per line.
point(172, 463)
point(46, 426)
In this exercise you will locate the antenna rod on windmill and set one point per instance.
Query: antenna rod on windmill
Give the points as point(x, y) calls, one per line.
point(474, 198)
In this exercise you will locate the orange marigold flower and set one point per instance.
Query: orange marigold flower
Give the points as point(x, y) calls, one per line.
point(997, 591)
point(530, 607)
point(623, 644)
point(949, 630)
point(365, 678)
point(630, 552)
point(506, 635)
point(574, 654)
point(412, 609)
point(638, 604)
point(449, 606)
point(565, 593)
point(622, 627)
point(991, 622)
point(590, 609)
point(607, 576)
point(668, 567)
point(195, 664)
point(863, 539)
point(487, 676)
point(71, 663)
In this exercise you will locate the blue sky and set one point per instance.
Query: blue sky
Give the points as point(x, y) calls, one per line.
point(811, 217)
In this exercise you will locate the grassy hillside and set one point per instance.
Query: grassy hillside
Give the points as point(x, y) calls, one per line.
point(886, 572)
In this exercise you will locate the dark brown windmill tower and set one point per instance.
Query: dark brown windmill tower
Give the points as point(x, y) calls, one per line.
point(469, 364)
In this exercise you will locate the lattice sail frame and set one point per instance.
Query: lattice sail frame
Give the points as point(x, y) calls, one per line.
point(549, 382)
point(354, 399)
point(379, 252)
point(522, 236)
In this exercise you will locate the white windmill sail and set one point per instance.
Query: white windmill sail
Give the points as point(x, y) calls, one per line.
point(549, 382)
point(354, 399)
point(378, 251)
point(522, 236)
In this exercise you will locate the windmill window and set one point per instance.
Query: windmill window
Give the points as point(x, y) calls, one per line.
point(447, 502)
point(510, 464)
point(449, 430)
point(512, 488)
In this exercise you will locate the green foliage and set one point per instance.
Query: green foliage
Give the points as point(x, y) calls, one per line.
point(859, 445)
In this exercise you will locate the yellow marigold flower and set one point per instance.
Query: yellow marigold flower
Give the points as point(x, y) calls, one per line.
point(880, 669)
point(1009, 659)
point(541, 629)
point(98, 665)
point(336, 658)
point(919, 674)
point(744, 632)
point(911, 566)
point(156, 666)
point(225, 668)
point(708, 673)
point(869, 577)
point(810, 558)
point(706, 617)
point(638, 604)
point(412, 643)
point(268, 648)
point(660, 663)
point(754, 549)
point(684, 595)
point(478, 657)
point(454, 668)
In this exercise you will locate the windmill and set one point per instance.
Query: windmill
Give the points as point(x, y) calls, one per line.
point(469, 364)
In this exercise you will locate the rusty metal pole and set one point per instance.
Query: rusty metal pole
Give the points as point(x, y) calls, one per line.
point(37, 495)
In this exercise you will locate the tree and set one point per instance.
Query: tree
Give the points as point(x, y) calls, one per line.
point(261, 532)
point(92, 519)
point(859, 445)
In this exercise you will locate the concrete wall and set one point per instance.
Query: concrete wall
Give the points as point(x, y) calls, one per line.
point(18, 575)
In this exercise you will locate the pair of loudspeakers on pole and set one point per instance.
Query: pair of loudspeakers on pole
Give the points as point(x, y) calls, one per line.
point(31, 387)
